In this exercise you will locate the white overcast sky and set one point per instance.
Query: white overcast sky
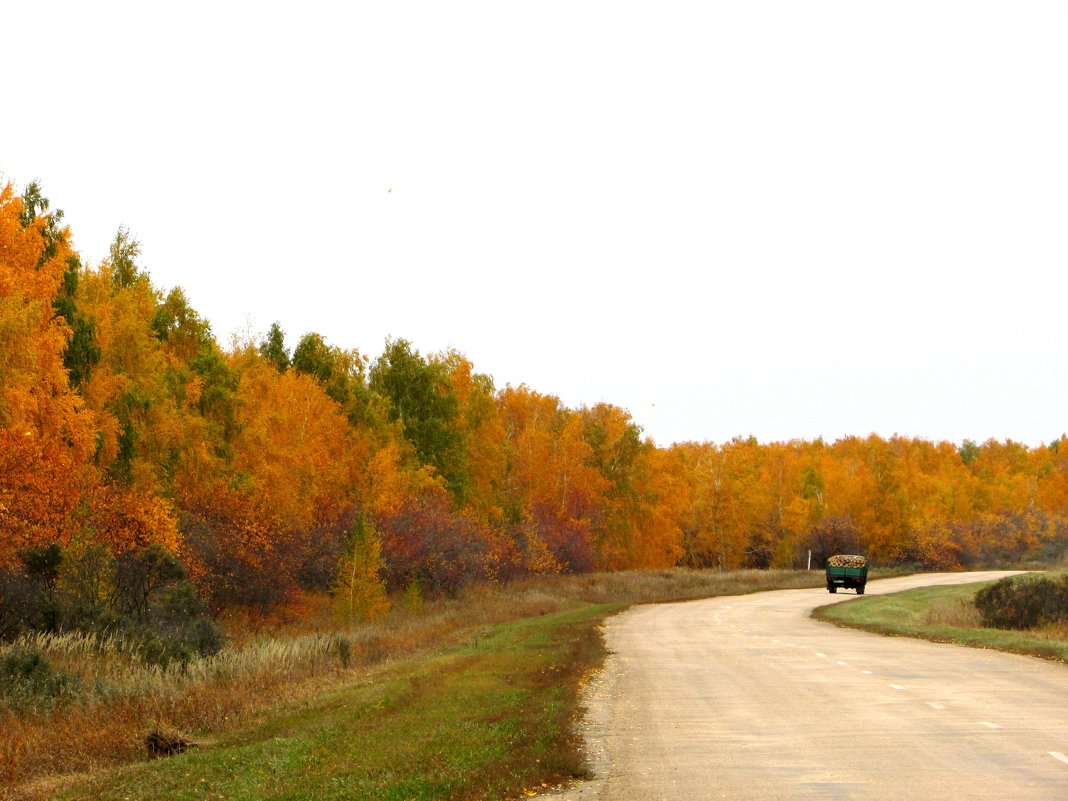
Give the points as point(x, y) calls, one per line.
point(778, 218)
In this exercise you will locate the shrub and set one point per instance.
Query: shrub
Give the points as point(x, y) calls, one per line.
point(177, 628)
point(140, 572)
point(41, 567)
point(1022, 603)
point(139, 596)
point(343, 649)
point(413, 595)
point(567, 540)
point(28, 681)
point(233, 571)
point(19, 604)
point(427, 540)
point(86, 585)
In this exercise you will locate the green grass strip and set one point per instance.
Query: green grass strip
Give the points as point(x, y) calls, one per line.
point(489, 720)
point(919, 613)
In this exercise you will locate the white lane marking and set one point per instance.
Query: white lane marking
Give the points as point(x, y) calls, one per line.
point(844, 663)
point(989, 725)
point(775, 641)
point(1059, 755)
point(866, 672)
point(897, 686)
point(819, 654)
point(935, 705)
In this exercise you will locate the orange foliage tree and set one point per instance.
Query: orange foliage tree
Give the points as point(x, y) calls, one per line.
point(123, 423)
point(35, 392)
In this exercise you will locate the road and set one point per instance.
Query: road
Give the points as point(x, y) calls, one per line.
point(747, 698)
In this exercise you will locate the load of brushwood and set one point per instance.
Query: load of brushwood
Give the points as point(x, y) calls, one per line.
point(846, 560)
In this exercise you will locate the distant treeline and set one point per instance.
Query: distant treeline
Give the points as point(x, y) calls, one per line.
point(124, 424)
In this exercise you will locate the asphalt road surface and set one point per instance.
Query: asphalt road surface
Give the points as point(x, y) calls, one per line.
point(747, 698)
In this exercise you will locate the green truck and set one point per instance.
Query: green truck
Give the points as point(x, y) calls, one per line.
point(848, 571)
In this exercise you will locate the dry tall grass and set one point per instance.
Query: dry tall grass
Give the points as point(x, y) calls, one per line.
point(960, 612)
point(1057, 630)
point(119, 699)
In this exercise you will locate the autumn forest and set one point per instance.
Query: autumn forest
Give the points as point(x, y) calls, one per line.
point(259, 473)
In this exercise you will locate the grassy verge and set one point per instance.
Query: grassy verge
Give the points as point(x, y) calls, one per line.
point(488, 720)
point(378, 689)
point(941, 614)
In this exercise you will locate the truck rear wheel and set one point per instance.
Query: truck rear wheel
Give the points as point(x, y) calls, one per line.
point(860, 589)
point(832, 588)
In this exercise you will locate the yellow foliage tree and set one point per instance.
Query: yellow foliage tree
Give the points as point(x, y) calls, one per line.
point(359, 589)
